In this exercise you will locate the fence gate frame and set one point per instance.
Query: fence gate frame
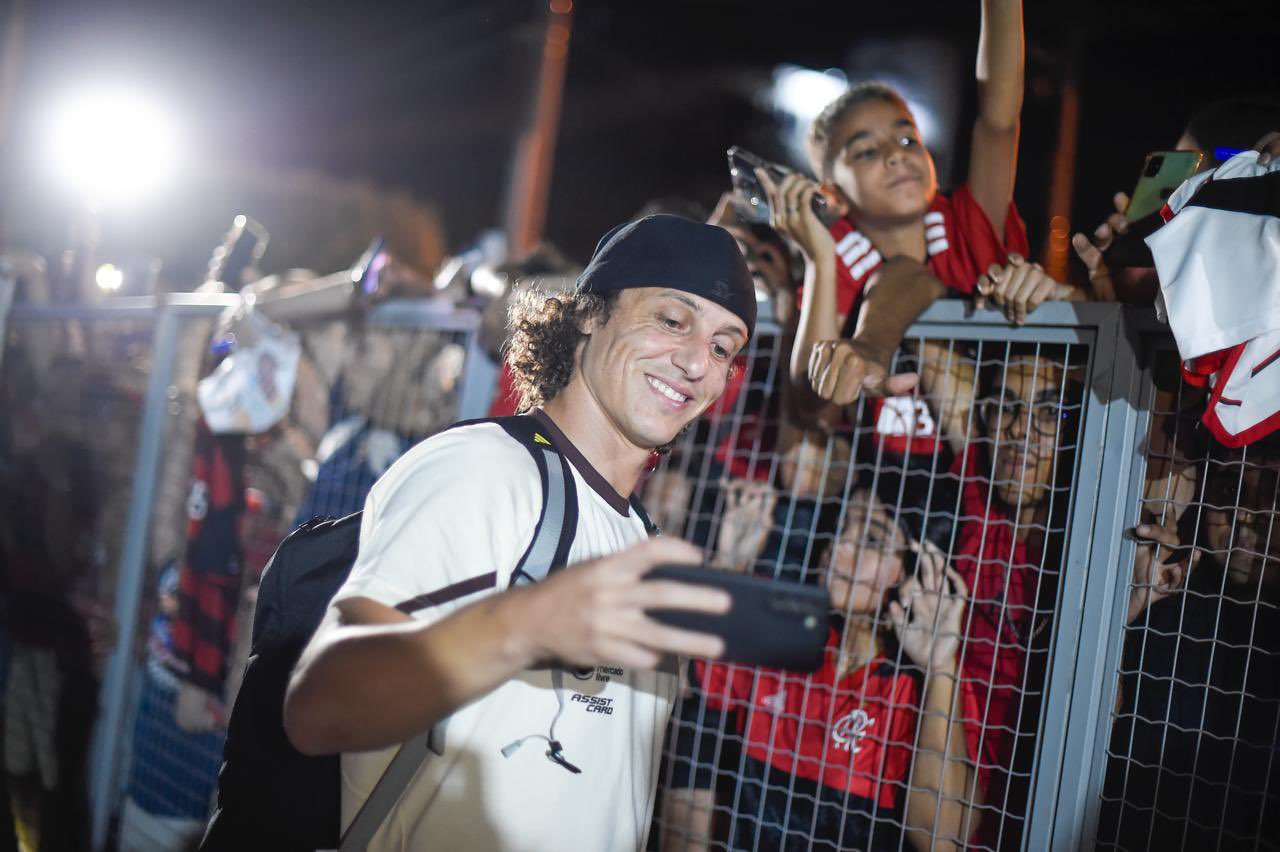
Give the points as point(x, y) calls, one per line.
point(1088, 629)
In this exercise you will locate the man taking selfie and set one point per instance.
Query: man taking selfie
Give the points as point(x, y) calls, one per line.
point(556, 692)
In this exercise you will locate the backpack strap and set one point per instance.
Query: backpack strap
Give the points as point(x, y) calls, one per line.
point(558, 523)
point(395, 778)
point(649, 526)
point(552, 538)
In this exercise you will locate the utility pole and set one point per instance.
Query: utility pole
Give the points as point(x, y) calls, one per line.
point(535, 150)
point(1062, 180)
point(11, 44)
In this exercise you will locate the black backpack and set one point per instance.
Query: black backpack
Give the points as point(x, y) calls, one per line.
point(271, 796)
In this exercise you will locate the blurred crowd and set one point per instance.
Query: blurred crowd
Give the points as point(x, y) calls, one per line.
point(929, 484)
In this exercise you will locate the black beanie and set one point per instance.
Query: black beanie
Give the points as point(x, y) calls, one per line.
point(668, 251)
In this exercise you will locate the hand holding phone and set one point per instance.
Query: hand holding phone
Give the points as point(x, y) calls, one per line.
point(1162, 173)
point(742, 173)
point(1121, 243)
point(771, 623)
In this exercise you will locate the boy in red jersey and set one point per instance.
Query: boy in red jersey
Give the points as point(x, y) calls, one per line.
point(880, 180)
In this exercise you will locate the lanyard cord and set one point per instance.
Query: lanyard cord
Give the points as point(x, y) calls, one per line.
point(554, 752)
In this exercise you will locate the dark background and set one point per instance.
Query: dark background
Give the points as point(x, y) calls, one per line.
point(428, 97)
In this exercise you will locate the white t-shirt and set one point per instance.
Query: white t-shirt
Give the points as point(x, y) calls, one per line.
point(457, 507)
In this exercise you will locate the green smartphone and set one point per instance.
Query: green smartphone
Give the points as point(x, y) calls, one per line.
point(1162, 173)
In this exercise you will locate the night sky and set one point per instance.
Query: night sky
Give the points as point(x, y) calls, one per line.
point(428, 97)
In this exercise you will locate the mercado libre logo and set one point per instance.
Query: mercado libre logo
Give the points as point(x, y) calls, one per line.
point(604, 674)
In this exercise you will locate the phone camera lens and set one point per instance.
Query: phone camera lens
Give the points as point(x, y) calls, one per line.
point(1153, 166)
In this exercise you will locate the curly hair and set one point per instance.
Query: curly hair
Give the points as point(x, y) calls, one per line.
point(818, 143)
point(546, 330)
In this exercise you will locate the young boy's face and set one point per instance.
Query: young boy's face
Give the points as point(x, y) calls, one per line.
point(880, 164)
point(867, 561)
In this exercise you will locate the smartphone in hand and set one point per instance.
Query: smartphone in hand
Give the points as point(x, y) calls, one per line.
point(1162, 173)
point(742, 173)
point(771, 622)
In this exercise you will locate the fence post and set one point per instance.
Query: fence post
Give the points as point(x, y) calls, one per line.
point(104, 777)
point(479, 380)
point(8, 285)
point(1081, 683)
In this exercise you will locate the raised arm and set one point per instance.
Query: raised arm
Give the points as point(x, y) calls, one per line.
point(842, 370)
point(993, 163)
point(940, 812)
point(791, 214)
point(371, 677)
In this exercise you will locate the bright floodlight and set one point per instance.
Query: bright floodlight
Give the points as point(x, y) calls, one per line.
point(108, 278)
point(111, 146)
point(802, 93)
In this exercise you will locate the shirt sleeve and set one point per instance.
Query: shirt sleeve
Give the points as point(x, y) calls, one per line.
point(975, 245)
point(848, 287)
point(448, 521)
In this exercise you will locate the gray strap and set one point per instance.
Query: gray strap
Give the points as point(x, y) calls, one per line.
point(387, 791)
point(543, 550)
point(414, 753)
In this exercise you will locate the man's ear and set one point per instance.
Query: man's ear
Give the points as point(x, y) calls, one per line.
point(591, 324)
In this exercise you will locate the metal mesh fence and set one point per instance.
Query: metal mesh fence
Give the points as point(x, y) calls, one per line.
point(72, 390)
point(1002, 674)
point(374, 390)
point(367, 392)
point(887, 746)
point(1191, 762)
point(127, 518)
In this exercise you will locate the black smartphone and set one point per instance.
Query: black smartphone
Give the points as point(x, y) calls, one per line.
point(241, 249)
point(742, 174)
point(771, 622)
